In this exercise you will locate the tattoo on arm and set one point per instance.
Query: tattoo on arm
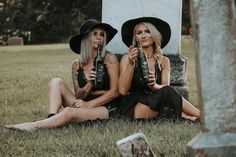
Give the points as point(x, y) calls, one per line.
point(79, 92)
point(84, 91)
point(82, 94)
point(75, 68)
point(111, 59)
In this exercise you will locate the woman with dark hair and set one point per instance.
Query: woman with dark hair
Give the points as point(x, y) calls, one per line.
point(153, 98)
point(87, 101)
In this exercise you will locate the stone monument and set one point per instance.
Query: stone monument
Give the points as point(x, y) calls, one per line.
point(117, 12)
point(134, 146)
point(15, 40)
point(214, 28)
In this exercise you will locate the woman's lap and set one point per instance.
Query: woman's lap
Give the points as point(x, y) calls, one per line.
point(156, 101)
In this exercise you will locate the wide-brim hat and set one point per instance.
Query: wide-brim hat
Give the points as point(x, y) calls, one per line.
point(162, 26)
point(86, 27)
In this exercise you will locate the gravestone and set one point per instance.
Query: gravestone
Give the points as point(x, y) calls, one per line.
point(15, 41)
point(134, 146)
point(214, 30)
point(117, 12)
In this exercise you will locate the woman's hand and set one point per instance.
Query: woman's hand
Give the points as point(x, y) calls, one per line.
point(152, 80)
point(80, 103)
point(133, 54)
point(91, 77)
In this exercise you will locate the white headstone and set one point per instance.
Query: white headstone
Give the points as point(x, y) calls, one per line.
point(117, 12)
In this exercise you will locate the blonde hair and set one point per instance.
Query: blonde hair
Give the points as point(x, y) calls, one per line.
point(157, 38)
point(86, 48)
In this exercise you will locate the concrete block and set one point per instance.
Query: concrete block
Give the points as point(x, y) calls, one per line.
point(178, 74)
point(212, 145)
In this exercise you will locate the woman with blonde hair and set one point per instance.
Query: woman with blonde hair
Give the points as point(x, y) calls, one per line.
point(86, 101)
point(153, 98)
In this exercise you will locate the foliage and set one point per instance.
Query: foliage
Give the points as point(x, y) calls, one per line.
point(53, 21)
point(45, 21)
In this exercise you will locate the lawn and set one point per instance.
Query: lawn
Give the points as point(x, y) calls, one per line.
point(25, 72)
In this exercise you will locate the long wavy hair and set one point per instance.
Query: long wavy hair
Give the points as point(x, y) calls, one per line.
point(157, 38)
point(86, 48)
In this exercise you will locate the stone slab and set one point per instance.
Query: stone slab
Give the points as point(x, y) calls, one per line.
point(117, 12)
point(212, 145)
point(15, 41)
point(214, 28)
point(178, 65)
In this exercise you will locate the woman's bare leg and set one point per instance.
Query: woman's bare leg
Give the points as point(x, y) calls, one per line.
point(189, 109)
point(59, 94)
point(144, 111)
point(69, 114)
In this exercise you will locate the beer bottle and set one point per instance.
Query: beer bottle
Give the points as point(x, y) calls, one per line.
point(98, 83)
point(142, 61)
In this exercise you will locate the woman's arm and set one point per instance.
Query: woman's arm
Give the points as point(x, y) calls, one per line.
point(127, 66)
point(165, 75)
point(126, 75)
point(80, 92)
point(113, 71)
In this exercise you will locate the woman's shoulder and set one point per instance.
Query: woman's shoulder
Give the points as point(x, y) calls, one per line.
point(110, 58)
point(124, 55)
point(109, 53)
point(76, 63)
point(165, 60)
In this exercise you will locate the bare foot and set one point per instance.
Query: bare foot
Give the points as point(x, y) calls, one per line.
point(192, 118)
point(22, 126)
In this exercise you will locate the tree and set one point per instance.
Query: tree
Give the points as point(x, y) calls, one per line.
point(46, 21)
point(52, 21)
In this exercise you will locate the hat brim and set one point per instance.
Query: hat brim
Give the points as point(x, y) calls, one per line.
point(75, 41)
point(162, 26)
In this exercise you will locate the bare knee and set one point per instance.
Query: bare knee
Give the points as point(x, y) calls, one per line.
point(56, 82)
point(68, 113)
point(104, 114)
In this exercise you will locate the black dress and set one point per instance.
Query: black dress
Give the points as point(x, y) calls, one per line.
point(111, 106)
point(166, 100)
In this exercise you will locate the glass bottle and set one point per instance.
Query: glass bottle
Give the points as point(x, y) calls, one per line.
point(99, 67)
point(142, 61)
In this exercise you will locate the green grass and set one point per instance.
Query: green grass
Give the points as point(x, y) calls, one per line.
point(25, 72)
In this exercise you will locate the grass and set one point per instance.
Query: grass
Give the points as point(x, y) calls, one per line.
point(25, 72)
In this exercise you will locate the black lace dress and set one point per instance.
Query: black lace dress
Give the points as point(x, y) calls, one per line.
point(167, 101)
point(112, 106)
